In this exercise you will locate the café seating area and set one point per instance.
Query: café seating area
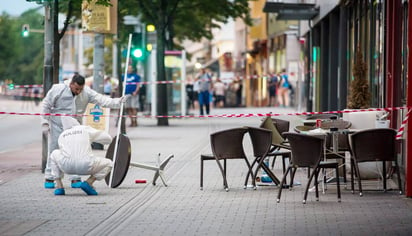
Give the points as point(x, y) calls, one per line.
point(321, 146)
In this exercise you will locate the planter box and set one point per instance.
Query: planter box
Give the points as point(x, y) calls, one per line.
point(367, 120)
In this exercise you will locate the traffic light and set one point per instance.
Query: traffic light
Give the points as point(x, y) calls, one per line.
point(11, 86)
point(25, 31)
point(138, 50)
point(137, 53)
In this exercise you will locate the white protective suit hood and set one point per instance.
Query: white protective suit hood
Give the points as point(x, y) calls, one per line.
point(68, 122)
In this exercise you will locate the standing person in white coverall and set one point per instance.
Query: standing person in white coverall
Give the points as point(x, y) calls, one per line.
point(75, 156)
point(69, 99)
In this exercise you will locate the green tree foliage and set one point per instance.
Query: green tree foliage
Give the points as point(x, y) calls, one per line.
point(21, 58)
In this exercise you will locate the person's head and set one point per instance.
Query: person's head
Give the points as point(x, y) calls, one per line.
point(129, 69)
point(77, 84)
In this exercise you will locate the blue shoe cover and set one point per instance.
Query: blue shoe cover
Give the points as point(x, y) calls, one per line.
point(48, 184)
point(87, 188)
point(59, 191)
point(76, 184)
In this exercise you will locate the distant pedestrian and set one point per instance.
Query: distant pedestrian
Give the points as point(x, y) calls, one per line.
point(237, 87)
point(284, 88)
point(107, 87)
point(205, 85)
point(190, 94)
point(132, 89)
point(219, 89)
point(273, 87)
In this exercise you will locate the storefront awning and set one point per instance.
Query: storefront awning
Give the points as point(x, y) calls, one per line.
point(291, 11)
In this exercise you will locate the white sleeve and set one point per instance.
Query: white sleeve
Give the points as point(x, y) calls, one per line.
point(98, 136)
point(48, 103)
point(100, 99)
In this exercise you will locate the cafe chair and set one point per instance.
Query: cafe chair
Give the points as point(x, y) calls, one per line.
point(281, 125)
point(307, 152)
point(279, 143)
point(261, 142)
point(373, 145)
point(343, 147)
point(226, 144)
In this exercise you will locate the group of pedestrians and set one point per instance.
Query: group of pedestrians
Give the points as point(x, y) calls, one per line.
point(280, 89)
point(203, 92)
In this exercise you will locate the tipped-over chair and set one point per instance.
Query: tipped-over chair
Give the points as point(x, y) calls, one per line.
point(261, 142)
point(226, 144)
point(373, 145)
point(307, 151)
point(278, 142)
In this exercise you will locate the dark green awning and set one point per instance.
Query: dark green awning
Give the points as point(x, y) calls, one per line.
point(291, 11)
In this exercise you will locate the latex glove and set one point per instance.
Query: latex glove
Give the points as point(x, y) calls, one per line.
point(45, 128)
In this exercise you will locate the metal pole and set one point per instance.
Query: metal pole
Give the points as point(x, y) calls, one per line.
point(183, 83)
point(47, 68)
point(98, 62)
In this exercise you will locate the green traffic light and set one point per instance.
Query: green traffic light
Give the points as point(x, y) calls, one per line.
point(25, 31)
point(11, 86)
point(137, 53)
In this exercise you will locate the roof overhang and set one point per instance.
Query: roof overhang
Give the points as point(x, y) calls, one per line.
point(291, 11)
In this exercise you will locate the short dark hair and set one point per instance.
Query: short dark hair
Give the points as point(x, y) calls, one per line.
point(78, 79)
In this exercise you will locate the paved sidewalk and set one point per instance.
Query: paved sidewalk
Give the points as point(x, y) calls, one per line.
point(182, 208)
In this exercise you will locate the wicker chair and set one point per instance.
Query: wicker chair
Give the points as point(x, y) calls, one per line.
point(373, 145)
point(307, 152)
point(223, 150)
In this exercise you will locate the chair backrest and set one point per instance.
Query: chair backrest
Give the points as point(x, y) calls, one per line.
point(261, 141)
point(373, 145)
point(307, 150)
point(228, 144)
point(276, 137)
point(281, 125)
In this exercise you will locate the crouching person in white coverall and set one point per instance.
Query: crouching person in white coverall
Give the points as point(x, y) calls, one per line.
point(75, 156)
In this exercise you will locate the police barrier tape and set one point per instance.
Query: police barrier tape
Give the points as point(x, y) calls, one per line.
point(159, 82)
point(244, 115)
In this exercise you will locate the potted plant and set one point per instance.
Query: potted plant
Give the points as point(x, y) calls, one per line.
point(360, 98)
point(359, 94)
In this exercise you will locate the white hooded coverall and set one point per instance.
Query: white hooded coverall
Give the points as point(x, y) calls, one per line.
point(75, 155)
point(60, 100)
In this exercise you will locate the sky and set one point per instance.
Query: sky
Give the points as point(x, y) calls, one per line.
point(16, 7)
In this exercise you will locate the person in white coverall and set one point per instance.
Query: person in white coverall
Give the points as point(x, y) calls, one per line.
point(75, 156)
point(72, 99)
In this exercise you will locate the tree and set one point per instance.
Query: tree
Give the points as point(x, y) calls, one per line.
point(359, 94)
point(21, 57)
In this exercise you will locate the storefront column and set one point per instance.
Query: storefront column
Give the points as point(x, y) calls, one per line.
point(408, 141)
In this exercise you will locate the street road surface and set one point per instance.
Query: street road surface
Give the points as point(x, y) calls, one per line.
point(17, 131)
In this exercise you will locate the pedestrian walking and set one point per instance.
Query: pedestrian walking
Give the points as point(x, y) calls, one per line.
point(205, 85)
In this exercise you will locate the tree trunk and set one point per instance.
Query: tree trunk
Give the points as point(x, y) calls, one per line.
point(162, 96)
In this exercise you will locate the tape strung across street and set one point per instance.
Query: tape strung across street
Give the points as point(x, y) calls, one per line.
point(242, 115)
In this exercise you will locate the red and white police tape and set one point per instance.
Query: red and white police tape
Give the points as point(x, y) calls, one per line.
point(242, 115)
